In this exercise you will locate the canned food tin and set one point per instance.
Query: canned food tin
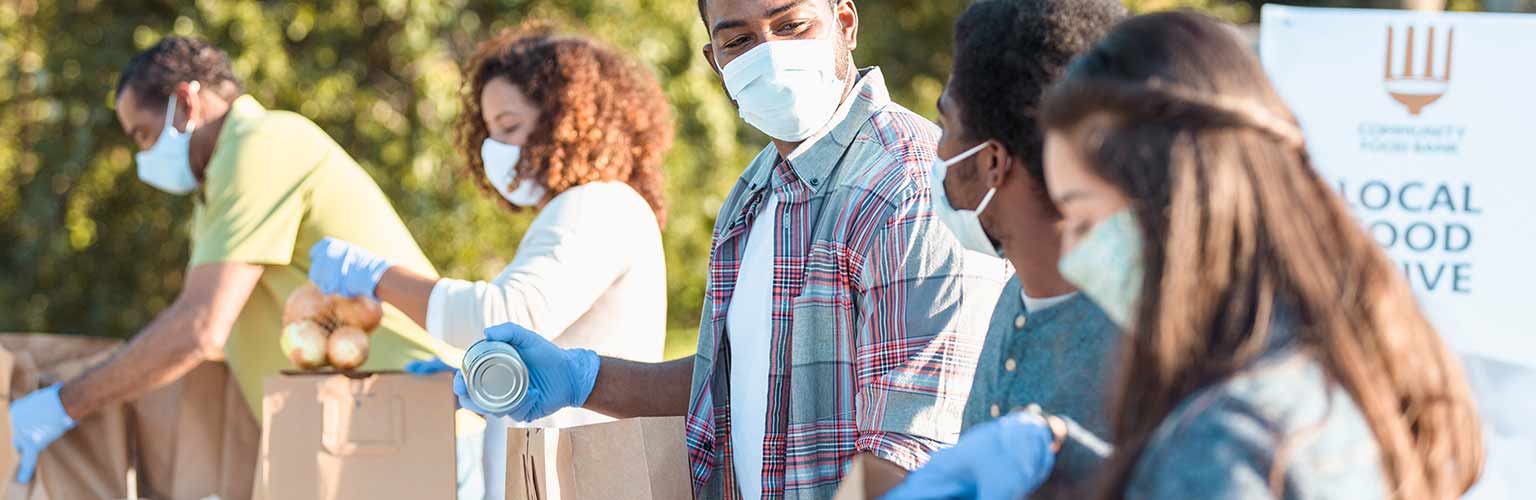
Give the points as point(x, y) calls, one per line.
point(495, 376)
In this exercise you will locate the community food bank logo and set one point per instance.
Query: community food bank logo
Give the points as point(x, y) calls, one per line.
point(1417, 75)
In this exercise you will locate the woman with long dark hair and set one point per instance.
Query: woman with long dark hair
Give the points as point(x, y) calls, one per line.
point(1271, 348)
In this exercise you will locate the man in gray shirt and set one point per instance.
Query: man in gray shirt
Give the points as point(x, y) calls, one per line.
point(1047, 345)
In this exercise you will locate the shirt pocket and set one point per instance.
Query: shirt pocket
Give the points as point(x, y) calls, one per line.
point(822, 339)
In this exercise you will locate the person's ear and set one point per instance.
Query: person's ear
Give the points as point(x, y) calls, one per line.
point(847, 22)
point(995, 161)
point(188, 93)
point(709, 57)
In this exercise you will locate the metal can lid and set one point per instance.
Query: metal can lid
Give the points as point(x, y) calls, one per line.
point(495, 376)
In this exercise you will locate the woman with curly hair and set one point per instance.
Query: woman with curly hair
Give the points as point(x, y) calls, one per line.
point(566, 126)
point(1272, 350)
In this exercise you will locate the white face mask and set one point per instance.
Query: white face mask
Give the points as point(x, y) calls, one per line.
point(965, 224)
point(501, 167)
point(1106, 265)
point(787, 89)
point(167, 165)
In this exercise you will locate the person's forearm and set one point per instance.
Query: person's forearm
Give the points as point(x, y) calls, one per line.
point(626, 389)
point(167, 349)
point(408, 291)
point(880, 475)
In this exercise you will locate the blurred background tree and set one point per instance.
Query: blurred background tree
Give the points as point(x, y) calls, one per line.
point(89, 249)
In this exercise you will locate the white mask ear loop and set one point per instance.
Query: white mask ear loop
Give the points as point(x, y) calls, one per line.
point(967, 154)
point(984, 200)
point(990, 191)
point(170, 109)
point(961, 157)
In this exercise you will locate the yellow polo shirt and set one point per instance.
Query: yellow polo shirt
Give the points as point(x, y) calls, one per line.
point(277, 184)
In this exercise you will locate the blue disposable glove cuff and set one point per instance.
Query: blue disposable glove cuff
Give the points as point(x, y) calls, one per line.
point(366, 281)
point(584, 364)
point(341, 268)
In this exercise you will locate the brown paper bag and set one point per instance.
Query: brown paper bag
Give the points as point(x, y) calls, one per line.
point(197, 438)
point(341, 437)
point(93, 460)
point(637, 459)
point(186, 441)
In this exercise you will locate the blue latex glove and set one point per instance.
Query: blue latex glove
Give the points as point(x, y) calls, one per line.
point(341, 268)
point(424, 367)
point(37, 419)
point(557, 378)
point(428, 367)
point(1004, 459)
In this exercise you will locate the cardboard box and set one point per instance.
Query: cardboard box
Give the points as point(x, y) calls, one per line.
point(633, 459)
point(357, 437)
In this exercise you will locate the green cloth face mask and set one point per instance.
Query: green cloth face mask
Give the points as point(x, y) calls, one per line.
point(1106, 265)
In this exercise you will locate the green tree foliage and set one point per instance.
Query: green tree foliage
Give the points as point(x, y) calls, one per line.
point(90, 249)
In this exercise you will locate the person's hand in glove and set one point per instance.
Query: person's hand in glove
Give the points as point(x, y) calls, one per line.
point(428, 367)
point(557, 378)
point(37, 419)
point(1004, 459)
point(341, 268)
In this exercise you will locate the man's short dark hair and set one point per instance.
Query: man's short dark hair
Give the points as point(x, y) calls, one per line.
point(705, 17)
point(154, 73)
point(1007, 52)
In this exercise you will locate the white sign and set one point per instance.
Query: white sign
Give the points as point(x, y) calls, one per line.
point(1426, 124)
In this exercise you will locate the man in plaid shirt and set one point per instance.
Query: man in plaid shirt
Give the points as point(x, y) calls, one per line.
point(840, 317)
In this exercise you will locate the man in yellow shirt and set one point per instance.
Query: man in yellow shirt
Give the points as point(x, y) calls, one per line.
point(267, 186)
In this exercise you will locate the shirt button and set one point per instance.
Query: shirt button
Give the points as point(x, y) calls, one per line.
point(996, 411)
point(1018, 322)
point(1010, 365)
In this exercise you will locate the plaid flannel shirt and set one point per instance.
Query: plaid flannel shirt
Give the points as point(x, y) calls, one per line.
point(878, 314)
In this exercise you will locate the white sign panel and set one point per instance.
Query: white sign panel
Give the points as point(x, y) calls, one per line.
point(1426, 124)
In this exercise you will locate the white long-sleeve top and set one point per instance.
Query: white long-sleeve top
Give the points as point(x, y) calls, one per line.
point(589, 273)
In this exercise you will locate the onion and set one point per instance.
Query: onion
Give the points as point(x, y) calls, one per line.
point(305, 344)
point(307, 303)
point(361, 312)
point(347, 348)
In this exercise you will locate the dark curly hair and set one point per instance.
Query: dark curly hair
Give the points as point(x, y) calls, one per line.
point(1007, 52)
point(602, 116)
point(154, 73)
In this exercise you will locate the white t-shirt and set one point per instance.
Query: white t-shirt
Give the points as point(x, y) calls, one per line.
point(748, 325)
point(1034, 305)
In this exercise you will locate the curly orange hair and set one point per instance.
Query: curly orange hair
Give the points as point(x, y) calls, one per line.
point(602, 117)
